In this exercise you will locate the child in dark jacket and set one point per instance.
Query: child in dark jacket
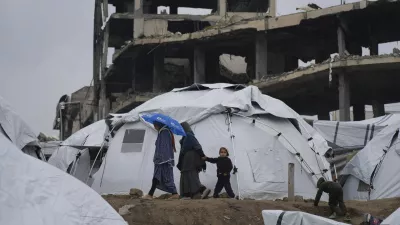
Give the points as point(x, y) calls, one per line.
point(224, 168)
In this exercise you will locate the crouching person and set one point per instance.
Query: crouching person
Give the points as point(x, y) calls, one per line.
point(335, 192)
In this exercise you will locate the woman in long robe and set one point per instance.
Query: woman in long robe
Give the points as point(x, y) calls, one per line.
point(164, 162)
point(190, 164)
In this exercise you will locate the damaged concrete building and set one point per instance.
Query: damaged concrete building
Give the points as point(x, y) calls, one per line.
point(149, 47)
point(141, 73)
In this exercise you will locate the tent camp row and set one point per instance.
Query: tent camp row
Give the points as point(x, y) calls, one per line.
point(18, 132)
point(353, 134)
point(372, 172)
point(263, 135)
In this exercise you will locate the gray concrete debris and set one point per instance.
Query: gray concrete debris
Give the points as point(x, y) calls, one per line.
point(136, 193)
point(298, 198)
point(337, 58)
point(125, 210)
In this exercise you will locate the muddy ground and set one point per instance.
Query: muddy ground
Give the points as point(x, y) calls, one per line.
point(228, 211)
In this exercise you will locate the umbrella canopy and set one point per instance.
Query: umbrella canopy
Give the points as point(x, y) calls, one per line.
point(172, 124)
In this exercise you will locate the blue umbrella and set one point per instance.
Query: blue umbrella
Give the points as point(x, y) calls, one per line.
point(172, 124)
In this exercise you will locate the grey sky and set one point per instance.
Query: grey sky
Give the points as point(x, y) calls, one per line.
point(46, 51)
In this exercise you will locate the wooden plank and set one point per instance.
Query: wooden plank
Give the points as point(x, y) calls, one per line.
point(291, 182)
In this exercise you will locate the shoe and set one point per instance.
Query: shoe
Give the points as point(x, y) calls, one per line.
point(176, 196)
point(333, 216)
point(147, 197)
point(206, 193)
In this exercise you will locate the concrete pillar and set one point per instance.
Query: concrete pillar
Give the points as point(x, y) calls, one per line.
point(173, 10)
point(272, 8)
point(344, 86)
point(138, 22)
point(261, 56)
point(199, 65)
point(133, 76)
point(158, 69)
point(378, 109)
point(373, 46)
point(222, 7)
point(358, 112)
point(212, 68)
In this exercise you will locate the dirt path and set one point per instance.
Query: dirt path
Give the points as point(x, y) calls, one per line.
point(227, 211)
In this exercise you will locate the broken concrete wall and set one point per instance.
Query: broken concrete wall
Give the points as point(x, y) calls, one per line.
point(155, 27)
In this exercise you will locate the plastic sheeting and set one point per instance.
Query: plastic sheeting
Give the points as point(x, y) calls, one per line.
point(279, 217)
point(373, 159)
point(393, 219)
point(35, 193)
point(273, 137)
point(15, 128)
point(353, 134)
point(90, 136)
point(66, 156)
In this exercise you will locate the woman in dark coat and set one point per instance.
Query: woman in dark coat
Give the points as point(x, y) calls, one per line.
point(190, 164)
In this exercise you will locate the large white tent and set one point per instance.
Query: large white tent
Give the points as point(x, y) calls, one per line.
point(18, 132)
point(35, 193)
point(373, 172)
point(353, 134)
point(262, 133)
point(279, 217)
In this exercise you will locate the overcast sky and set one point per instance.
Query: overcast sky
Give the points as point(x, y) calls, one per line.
point(46, 51)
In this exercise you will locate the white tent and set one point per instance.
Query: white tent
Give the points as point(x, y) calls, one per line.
point(393, 219)
point(73, 154)
point(279, 217)
point(259, 131)
point(16, 130)
point(35, 193)
point(353, 134)
point(376, 165)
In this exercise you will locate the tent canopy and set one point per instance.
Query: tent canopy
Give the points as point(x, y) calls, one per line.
point(35, 193)
point(394, 218)
point(353, 134)
point(198, 101)
point(378, 164)
point(15, 128)
point(254, 127)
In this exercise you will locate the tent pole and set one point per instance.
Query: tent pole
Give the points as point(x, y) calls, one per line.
point(91, 168)
point(229, 114)
point(101, 148)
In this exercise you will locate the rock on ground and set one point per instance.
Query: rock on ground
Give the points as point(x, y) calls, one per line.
point(135, 193)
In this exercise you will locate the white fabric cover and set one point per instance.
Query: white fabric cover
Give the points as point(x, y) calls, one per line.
point(353, 134)
point(386, 182)
point(255, 143)
point(271, 217)
point(90, 136)
point(35, 193)
point(65, 155)
point(393, 219)
point(14, 127)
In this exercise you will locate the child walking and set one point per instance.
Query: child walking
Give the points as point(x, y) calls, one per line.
point(224, 168)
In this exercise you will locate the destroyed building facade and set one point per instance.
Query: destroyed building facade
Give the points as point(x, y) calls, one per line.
point(157, 52)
